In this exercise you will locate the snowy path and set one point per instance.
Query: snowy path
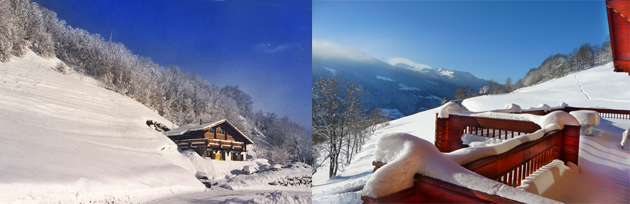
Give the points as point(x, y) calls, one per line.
point(589, 97)
point(595, 87)
point(580, 86)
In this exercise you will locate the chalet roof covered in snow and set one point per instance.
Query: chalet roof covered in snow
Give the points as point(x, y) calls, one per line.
point(203, 126)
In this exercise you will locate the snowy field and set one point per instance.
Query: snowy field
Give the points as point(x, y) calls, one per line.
point(64, 139)
point(604, 168)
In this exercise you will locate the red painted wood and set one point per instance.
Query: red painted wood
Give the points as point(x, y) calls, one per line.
point(619, 29)
point(449, 130)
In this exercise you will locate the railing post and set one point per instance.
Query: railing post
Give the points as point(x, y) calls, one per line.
point(441, 134)
point(570, 144)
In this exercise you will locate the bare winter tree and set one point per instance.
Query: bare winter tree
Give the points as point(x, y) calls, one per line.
point(340, 120)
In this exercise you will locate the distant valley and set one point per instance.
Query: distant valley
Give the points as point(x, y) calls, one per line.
point(399, 89)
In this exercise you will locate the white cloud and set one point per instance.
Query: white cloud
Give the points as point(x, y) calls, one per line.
point(329, 50)
point(419, 67)
point(269, 48)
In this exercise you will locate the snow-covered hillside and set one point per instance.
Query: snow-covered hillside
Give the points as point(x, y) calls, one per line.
point(595, 87)
point(604, 167)
point(65, 139)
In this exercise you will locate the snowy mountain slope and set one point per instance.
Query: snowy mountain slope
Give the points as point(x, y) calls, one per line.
point(65, 139)
point(408, 89)
point(603, 165)
point(595, 87)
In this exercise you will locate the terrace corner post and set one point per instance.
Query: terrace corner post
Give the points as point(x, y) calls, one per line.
point(570, 144)
point(442, 136)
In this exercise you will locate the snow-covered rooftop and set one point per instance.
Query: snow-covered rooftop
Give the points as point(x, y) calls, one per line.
point(197, 127)
point(192, 127)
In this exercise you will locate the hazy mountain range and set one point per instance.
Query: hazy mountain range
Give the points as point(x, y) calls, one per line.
point(399, 89)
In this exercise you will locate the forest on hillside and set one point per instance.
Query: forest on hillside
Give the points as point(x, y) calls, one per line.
point(177, 95)
point(555, 66)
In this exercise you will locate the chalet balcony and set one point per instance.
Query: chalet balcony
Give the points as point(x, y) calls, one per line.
point(531, 157)
point(210, 143)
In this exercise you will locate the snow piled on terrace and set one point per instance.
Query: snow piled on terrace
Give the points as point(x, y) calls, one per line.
point(407, 155)
point(604, 168)
point(63, 139)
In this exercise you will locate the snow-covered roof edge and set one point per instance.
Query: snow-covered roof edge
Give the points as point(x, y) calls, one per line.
point(191, 127)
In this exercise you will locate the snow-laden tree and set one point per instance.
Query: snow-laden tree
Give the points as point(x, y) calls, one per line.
point(340, 119)
point(484, 90)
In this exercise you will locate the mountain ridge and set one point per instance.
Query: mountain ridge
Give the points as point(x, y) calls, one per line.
point(395, 88)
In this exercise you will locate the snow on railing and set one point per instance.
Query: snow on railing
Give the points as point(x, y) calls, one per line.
point(421, 157)
point(416, 156)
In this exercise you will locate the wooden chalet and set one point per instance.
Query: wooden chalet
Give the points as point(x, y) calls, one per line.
point(619, 27)
point(218, 140)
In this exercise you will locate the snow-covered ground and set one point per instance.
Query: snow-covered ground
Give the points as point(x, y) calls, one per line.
point(604, 168)
point(64, 139)
point(289, 185)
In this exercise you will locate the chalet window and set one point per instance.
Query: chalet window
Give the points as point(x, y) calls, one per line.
point(211, 130)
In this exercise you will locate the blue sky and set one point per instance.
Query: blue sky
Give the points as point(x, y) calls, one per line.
point(264, 47)
point(491, 39)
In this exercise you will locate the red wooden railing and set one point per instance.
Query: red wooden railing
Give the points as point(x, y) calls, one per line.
point(603, 113)
point(516, 164)
point(509, 168)
point(448, 131)
point(429, 190)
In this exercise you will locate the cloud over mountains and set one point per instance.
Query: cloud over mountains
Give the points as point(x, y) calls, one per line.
point(328, 50)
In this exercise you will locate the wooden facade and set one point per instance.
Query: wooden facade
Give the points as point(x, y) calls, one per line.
point(618, 12)
point(218, 140)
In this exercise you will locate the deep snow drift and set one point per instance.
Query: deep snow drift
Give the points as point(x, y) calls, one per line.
point(603, 166)
point(63, 138)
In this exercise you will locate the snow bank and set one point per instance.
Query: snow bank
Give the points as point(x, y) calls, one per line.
point(407, 155)
point(346, 198)
point(64, 139)
point(263, 178)
point(550, 180)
